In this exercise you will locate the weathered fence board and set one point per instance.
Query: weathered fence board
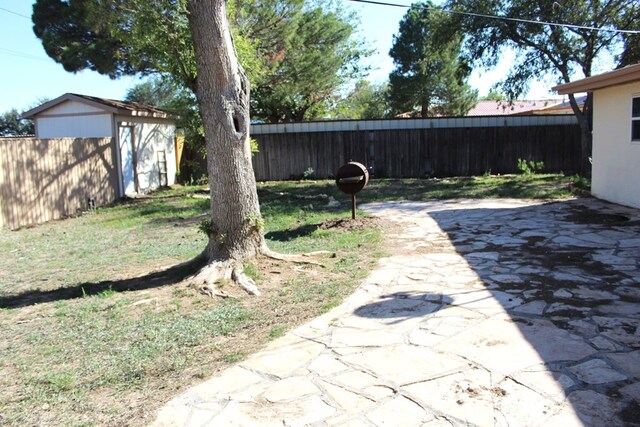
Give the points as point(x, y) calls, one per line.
point(45, 179)
point(417, 148)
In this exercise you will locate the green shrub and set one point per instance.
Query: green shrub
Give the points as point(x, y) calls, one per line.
point(308, 174)
point(530, 167)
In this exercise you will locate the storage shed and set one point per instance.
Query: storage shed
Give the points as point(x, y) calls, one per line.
point(144, 136)
point(616, 133)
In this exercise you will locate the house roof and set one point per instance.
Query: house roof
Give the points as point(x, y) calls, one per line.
point(621, 76)
point(563, 107)
point(110, 105)
point(500, 108)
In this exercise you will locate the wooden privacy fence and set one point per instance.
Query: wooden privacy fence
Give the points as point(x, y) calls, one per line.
point(45, 179)
point(415, 148)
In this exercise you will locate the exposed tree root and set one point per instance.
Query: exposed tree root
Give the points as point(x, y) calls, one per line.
point(208, 279)
point(300, 259)
point(245, 282)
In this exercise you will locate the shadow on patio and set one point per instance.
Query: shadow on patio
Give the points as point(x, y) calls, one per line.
point(563, 276)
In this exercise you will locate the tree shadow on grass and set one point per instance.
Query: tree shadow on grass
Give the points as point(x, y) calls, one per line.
point(180, 221)
point(291, 234)
point(152, 280)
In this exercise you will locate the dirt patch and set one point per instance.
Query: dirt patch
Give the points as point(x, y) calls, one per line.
point(348, 224)
point(498, 391)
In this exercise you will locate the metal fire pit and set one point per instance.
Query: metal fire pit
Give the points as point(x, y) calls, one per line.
point(350, 179)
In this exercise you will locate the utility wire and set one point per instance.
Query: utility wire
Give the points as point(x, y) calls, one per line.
point(21, 55)
point(507, 18)
point(15, 13)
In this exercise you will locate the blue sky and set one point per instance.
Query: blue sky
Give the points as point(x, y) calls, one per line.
point(28, 75)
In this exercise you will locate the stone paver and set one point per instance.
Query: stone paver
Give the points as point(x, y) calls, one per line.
point(499, 312)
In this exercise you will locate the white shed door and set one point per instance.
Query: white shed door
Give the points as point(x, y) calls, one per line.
point(125, 140)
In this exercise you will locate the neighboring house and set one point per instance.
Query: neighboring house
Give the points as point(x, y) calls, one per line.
point(500, 108)
point(563, 107)
point(518, 107)
point(144, 135)
point(616, 133)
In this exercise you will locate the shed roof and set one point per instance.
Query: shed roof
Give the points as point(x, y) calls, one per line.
point(621, 76)
point(110, 105)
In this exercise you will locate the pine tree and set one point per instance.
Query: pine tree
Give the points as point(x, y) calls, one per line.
point(429, 76)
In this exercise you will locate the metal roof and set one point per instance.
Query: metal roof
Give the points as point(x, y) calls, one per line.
point(500, 108)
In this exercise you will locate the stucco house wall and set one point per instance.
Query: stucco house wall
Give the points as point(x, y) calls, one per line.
point(616, 156)
point(616, 159)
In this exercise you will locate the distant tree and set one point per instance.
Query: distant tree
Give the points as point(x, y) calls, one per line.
point(12, 125)
point(312, 66)
point(631, 51)
point(262, 33)
point(565, 53)
point(158, 91)
point(365, 101)
point(493, 95)
point(429, 76)
point(163, 92)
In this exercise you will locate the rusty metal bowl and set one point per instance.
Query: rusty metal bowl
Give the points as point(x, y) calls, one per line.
point(352, 177)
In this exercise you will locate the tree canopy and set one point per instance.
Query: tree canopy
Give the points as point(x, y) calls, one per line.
point(365, 101)
point(296, 56)
point(429, 76)
point(306, 76)
point(565, 52)
point(12, 125)
point(117, 38)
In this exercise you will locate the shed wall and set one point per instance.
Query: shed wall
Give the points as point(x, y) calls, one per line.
point(151, 138)
point(616, 160)
point(71, 107)
point(74, 126)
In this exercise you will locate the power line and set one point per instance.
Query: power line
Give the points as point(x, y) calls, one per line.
point(15, 13)
point(507, 18)
point(21, 55)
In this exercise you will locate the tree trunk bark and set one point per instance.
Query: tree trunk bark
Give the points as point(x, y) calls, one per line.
point(424, 110)
point(222, 88)
point(584, 120)
point(223, 94)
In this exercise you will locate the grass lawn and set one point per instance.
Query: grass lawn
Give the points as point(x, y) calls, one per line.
point(90, 334)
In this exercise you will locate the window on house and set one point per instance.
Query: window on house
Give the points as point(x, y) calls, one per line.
point(635, 119)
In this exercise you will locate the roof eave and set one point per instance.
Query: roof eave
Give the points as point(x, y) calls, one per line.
point(618, 77)
point(147, 114)
point(66, 97)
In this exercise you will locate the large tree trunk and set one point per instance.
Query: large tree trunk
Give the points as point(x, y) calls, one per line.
point(585, 122)
point(223, 94)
